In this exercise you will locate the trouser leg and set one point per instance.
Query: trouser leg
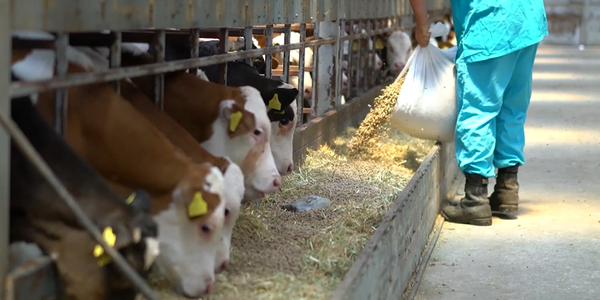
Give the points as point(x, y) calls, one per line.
point(510, 133)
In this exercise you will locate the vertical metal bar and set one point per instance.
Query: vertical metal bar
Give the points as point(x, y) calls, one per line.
point(115, 57)
point(223, 37)
point(315, 72)
point(370, 63)
point(5, 54)
point(248, 42)
point(350, 70)
point(194, 47)
point(301, 59)
point(268, 62)
point(286, 54)
point(359, 61)
point(338, 65)
point(60, 95)
point(159, 79)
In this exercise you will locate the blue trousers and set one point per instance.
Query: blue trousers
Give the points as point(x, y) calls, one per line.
point(492, 100)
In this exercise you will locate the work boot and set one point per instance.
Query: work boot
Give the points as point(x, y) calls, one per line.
point(474, 207)
point(505, 198)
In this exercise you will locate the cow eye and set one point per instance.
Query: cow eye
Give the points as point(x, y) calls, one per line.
point(257, 132)
point(284, 122)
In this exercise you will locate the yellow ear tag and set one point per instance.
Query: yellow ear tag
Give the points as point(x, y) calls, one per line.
point(379, 44)
point(110, 239)
point(198, 207)
point(354, 46)
point(274, 102)
point(233, 51)
point(279, 112)
point(234, 121)
point(130, 198)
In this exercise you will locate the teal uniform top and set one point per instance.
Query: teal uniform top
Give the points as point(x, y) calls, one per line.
point(488, 29)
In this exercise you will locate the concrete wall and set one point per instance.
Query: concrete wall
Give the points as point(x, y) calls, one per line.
point(573, 22)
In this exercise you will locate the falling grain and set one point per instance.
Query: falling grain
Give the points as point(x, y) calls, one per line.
point(368, 132)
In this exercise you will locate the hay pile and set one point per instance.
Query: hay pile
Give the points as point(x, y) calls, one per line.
point(278, 254)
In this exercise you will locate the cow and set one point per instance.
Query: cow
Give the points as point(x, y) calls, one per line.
point(283, 120)
point(129, 152)
point(228, 121)
point(39, 216)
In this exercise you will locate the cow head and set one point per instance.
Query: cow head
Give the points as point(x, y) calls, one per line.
point(243, 134)
point(281, 109)
point(190, 231)
point(399, 49)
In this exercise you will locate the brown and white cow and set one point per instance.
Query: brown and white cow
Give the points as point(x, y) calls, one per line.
point(38, 215)
point(233, 177)
point(206, 111)
point(283, 120)
point(131, 153)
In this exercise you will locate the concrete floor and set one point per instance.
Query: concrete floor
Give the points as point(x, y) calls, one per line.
point(552, 251)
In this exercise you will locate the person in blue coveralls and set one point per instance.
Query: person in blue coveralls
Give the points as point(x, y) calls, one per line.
point(497, 43)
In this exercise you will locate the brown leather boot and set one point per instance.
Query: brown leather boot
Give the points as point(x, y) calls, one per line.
point(474, 207)
point(505, 198)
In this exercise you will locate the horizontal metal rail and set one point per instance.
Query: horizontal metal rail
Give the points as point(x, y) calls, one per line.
point(26, 88)
point(39, 163)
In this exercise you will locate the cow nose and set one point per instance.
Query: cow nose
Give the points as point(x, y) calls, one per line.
point(277, 183)
point(207, 291)
point(307, 91)
point(399, 65)
point(289, 169)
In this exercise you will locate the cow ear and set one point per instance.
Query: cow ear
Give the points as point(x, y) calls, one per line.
point(280, 98)
point(239, 121)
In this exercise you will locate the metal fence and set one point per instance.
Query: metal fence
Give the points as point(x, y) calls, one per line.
point(84, 22)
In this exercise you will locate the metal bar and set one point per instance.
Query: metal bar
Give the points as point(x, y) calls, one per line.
point(315, 73)
point(5, 63)
point(25, 146)
point(223, 37)
point(248, 42)
point(268, 58)
point(27, 88)
point(369, 63)
point(60, 95)
point(115, 58)
point(286, 54)
point(301, 58)
point(359, 60)
point(194, 47)
point(338, 65)
point(350, 70)
point(159, 79)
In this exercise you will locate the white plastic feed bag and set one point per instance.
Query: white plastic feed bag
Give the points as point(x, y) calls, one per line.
point(426, 105)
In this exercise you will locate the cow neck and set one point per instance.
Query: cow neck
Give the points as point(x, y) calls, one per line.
point(117, 140)
point(176, 134)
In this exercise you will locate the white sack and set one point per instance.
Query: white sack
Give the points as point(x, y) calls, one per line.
point(426, 106)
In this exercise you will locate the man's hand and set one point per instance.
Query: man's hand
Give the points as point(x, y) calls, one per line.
point(422, 35)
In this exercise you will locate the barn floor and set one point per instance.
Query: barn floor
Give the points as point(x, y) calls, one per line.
point(552, 250)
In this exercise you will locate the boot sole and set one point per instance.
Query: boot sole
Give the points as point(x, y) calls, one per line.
point(476, 222)
point(508, 209)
